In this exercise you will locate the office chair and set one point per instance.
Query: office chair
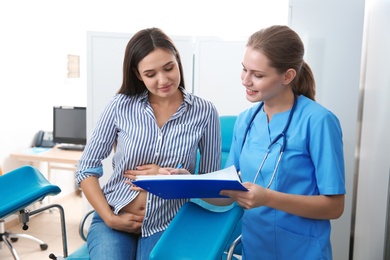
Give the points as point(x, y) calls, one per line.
point(19, 189)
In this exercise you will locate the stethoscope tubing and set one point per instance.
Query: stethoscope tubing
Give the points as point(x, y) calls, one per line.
point(281, 135)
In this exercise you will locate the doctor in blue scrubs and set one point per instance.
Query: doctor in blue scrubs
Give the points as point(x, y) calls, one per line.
point(289, 151)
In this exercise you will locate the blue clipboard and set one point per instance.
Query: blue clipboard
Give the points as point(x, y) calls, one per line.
point(191, 186)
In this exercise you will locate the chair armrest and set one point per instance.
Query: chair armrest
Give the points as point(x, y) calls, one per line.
point(82, 224)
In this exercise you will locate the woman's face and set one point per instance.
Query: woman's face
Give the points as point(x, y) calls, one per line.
point(261, 81)
point(160, 73)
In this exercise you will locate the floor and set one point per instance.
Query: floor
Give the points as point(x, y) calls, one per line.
point(46, 226)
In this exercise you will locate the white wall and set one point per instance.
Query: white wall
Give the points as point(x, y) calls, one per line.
point(37, 36)
point(217, 75)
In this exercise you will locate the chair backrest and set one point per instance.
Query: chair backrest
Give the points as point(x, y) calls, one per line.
point(197, 233)
point(227, 127)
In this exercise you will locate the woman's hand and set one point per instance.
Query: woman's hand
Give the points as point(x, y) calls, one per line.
point(172, 171)
point(147, 169)
point(126, 222)
point(150, 169)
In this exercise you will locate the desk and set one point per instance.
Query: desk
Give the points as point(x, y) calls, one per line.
point(51, 156)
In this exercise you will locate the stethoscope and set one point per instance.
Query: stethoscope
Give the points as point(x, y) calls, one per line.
point(281, 135)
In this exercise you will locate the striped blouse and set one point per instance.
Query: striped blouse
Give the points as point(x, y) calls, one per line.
point(130, 120)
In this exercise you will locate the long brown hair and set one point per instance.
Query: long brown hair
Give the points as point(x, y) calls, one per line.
point(139, 46)
point(284, 49)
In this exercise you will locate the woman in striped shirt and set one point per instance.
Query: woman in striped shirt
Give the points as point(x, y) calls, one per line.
point(152, 122)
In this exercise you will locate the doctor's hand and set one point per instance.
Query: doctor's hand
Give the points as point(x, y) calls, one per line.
point(256, 195)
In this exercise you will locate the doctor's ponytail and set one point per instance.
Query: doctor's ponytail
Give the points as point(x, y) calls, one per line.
point(304, 83)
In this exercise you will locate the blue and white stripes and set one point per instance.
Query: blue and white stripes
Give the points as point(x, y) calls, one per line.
point(130, 122)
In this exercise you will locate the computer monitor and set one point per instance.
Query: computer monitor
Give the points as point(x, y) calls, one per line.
point(70, 125)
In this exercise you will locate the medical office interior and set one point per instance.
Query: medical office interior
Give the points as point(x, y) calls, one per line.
point(346, 46)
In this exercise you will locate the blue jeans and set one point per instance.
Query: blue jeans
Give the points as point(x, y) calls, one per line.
point(106, 243)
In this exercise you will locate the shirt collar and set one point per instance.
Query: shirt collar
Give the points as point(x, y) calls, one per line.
point(188, 98)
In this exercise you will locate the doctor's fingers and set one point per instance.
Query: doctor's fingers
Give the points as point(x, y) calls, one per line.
point(246, 199)
point(256, 195)
point(235, 195)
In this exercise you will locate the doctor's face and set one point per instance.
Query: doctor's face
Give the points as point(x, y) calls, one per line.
point(261, 81)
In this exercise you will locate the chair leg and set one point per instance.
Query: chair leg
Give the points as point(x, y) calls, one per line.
point(8, 237)
point(9, 245)
point(14, 237)
point(63, 228)
point(25, 218)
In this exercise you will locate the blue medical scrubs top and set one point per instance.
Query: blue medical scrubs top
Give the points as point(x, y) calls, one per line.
point(312, 164)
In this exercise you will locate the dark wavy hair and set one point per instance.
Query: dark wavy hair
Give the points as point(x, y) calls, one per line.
point(139, 46)
point(284, 49)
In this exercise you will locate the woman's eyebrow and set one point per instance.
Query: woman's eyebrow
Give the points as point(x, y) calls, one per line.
point(151, 70)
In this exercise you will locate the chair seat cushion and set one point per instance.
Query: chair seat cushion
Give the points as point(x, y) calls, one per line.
point(197, 233)
point(22, 187)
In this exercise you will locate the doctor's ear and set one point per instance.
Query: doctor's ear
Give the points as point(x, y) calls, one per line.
point(289, 76)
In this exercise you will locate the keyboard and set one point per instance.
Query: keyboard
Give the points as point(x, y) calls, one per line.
point(71, 147)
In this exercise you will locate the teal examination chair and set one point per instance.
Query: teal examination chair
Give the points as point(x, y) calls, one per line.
point(19, 189)
point(227, 127)
point(197, 232)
